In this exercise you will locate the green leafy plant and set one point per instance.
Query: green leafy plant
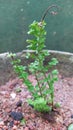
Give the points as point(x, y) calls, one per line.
point(43, 91)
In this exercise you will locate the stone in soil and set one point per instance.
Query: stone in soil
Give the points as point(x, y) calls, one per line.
point(19, 103)
point(26, 128)
point(11, 123)
point(16, 115)
point(72, 116)
point(14, 127)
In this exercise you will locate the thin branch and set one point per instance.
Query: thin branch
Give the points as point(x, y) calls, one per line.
point(38, 83)
point(45, 13)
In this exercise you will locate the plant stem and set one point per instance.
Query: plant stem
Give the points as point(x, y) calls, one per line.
point(52, 94)
point(38, 84)
point(47, 10)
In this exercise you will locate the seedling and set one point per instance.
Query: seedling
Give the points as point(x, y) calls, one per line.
point(18, 90)
point(43, 92)
point(23, 121)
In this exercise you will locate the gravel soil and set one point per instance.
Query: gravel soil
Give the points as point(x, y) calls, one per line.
point(14, 106)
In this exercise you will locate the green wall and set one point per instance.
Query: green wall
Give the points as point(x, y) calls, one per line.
point(16, 15)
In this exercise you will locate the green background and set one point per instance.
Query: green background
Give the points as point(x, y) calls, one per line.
point(16, 15)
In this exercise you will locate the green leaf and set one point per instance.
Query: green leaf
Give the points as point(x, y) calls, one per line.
point(27, 55)
point(40, 105)
point(55, 72)
point(23, 121)
point(57, 105)
point(18, 90)
point(53, 61)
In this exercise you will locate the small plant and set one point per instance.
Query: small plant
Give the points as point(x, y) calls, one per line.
point(23, 121)
point(43, 92)
point(18, 90)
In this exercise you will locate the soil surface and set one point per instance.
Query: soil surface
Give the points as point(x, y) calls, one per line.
point(14, 107)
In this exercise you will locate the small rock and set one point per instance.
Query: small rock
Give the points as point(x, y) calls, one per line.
point(27, 117)
point(0, 119)
point(16, 115)
point(8, 110)
point(26, 128)
point(19, 103)
point(33, 115)
point(6, 120)
point(1, 123)
point(15, 122)
point(19, 109)
point(13, 95)
point(31, 127)
point(7, 95)
point(11, 123)
point(5, 128)
point(14, 127)
point(71, 116)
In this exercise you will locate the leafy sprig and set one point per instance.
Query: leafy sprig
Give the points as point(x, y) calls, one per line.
point(43, 92)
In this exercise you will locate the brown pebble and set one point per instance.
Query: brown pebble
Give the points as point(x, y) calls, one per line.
point(46, 121)
point(26, 128)
point(33, 115)
point(8, 110)
point(15, 122)
point(14, 127)
point(1, 124)
point(18, 122)
point(5, 128)
point(27, 117)
point(19, 109)
point(7, 95)
point(31, 127)
point(6, 120)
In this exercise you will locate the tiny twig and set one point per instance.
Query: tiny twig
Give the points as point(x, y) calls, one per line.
point(45, 13)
